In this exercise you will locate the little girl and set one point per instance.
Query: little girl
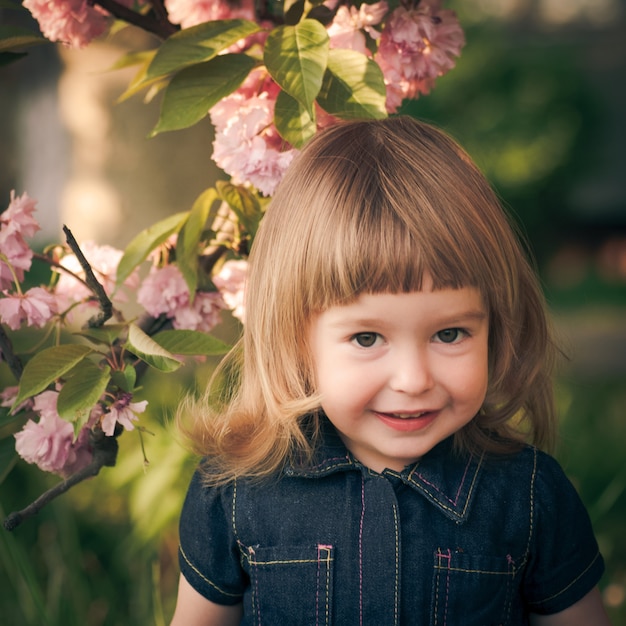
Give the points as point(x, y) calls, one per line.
point(366, 461)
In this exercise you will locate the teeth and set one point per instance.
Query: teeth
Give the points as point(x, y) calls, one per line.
point(405, 416)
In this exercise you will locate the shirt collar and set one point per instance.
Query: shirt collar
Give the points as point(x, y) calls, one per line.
point(447, 480)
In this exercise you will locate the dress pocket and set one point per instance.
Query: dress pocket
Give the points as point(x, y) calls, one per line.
point(478, 590)
point(291, 585)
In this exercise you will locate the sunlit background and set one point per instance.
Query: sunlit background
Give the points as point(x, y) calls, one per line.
point(538, 98)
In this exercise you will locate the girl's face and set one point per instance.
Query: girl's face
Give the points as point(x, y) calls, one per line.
point(399, 373)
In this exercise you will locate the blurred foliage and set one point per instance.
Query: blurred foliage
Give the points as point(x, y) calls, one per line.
point(105, 554)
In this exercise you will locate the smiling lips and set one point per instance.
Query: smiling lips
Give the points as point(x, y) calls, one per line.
point(407, 421)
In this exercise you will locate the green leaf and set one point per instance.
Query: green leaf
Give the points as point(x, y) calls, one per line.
point(104, 335)
point(196, 89)
point(198, 44)
point(125, 379)
point(82, 391)
point(293, 121)
point(191, 343)
point(48, 365)
point(145, 242)
point(296, 57)
point(187, 245)
point(14, 38)
point(150, 351)
point(139, 80)
point(243, 204)
point(353, 86)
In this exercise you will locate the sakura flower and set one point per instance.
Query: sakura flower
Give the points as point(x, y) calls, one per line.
point(8, 396)
point(18, 216)
point(349, 24)
point(203, 314)
point(416, 46)
point(16, 223)
point(192, 12)
point(230, 280)
point(73, 22)
point(49, 443)
point(247, 145)
point(35, 307)
point(164, 291)
point(123, 412)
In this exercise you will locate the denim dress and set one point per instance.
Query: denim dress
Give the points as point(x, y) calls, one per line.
point(451, 540)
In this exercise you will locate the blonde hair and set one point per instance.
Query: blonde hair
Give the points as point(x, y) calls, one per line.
point(370, 207)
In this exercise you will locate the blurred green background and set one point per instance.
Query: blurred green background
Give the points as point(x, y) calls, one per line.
point(538, 99)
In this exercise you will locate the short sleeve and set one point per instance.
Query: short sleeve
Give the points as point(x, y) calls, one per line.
point(565, 562)
point(208, 553)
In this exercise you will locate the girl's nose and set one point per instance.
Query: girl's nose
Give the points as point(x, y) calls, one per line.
point(411, 372)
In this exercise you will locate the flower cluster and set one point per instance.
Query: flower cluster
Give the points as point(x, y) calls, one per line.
point(414, 47)
point(48, 440)
point(413, 44)
point(74, 23)
point(165, 292)
point(37, 305)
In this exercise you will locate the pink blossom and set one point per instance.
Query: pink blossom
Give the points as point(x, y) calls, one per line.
point(164, 291)
point(203, 314)
point(230, 280)
point(123, 412)
point(16, 223)
point(247, 145)
point(49, 443)
point(8, 396)
point(103, 261)
point(349, 24)
point(18, 216)
point(191, 12)
point(417, 46)
point(36, 307)
point(73, 22)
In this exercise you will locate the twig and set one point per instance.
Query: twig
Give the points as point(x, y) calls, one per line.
point(13, 361)
point(104, 454)
point(160, 26)
point(106, 306)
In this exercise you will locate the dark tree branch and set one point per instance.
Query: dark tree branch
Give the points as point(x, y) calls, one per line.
point(159, 26)
point(106, 306)
point(13, 361)
point(104, 454)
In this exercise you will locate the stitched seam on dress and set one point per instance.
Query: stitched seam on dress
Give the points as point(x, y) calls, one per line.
point(472, 571)
point(361, 550)
point(396, 608)
point(327, 561)
point(283, 562)
point(439, 567)
point(595, 558)
point(206, 580)
point(454, 502)
point(533, 476)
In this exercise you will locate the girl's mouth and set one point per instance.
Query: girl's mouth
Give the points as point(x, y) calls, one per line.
point(407, 421)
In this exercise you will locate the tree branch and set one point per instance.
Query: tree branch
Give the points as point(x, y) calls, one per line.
point(159, 26)
point(106, 306)
point(104, 454)
point(13, 361)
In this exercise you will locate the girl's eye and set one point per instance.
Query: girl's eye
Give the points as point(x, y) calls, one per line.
point(365, 340)
point(450, 335)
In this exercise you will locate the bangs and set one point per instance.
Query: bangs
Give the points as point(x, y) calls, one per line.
point(385, 240)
